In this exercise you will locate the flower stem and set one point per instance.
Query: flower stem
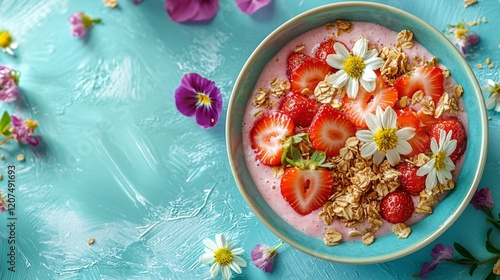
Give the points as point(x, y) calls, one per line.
point(477, 262)
point(5, 140)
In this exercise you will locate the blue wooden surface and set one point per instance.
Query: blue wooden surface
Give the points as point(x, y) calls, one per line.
point(118, 162)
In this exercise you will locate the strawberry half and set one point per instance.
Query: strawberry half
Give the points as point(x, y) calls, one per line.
point(299, 108)
point(306, 190)
point(428, 79)
point(329, 130)
point(267, 135)
point(324, 49)
point(409, 180)
point(458, 134)
point(305, 77)
point(421, 142)
point(366, 102)
point(295, 60)
point(397, 206)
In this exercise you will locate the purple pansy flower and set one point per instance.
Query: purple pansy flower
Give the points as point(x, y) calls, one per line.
point(9, 90)
point(263, 256)
point(251, 6)
point(80, 23)
point(199, 97)
point(191, 10)
point(439, 254)
point(22, 131)
point(482, 199)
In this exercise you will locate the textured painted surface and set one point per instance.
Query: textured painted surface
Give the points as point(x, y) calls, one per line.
point(118, 163)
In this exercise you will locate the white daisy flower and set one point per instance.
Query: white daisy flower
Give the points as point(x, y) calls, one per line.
point(440, 166)
point(383, 139)
point(354, 68)
point(6, 43)
point(493, 100)
point(223, 256)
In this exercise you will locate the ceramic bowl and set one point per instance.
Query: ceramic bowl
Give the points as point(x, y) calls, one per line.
point(387, 247)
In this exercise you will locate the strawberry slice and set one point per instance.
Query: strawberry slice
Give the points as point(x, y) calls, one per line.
point(306, 190)
point(329, 130)
point(324, 49)
point(366, 102)
point(295, 60)
point(397, 206)
point(458, 133)
point(299, 108)
point(409, 179)
point(308, 74)
point(427, 120)
point(428, 79)
point(267, 135)
point(421, 141)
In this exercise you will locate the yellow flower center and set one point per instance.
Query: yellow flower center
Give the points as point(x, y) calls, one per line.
point(203, 99)
point(31, 124)
point(439, 157)
point(461, 33)
point(354, 66)
point(5, 39)
point(385, 139)
point(496, 89)
point(223, 256)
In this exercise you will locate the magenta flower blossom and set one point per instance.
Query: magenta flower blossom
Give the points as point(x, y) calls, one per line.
point(482, 199)
point(9, 90)
point(191, 10)
point(199, 97)
point(263, 256)
point(462, 38)
point(3, 204)
point(439, 254)
point(251, 6)
point(81, 23)
point(23, 130)
point(137, 1)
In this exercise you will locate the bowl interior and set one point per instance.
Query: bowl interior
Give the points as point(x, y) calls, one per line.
point(384, 248)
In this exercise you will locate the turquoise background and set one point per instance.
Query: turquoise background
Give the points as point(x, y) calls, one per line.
point(118, 163)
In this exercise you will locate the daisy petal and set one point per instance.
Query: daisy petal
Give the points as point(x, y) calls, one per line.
point(405, 133)
point(214, 269)
point(378, 157)
point(368, 85)
point(393, 157)
point(368, 149)
point(338, 80)
point(360, 47)
point(374, 63)
point(221, 240)
point(238, 251)
point(239, 261)
point(352, 88)
point(370, 54)
point(365, 135)
point(404, 147)
point(207, 258)
point(226, 273)
point(210, 244)
point(430, 182)
point(341, 50)
point(335, 60)
point(235, 267)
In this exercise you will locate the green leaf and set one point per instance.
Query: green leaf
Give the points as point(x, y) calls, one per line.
point(489, 245)
point(318, 157)
point(296, 154)
point(491, 276)
point(5, 122)
point(472, 269)
point(464, 252)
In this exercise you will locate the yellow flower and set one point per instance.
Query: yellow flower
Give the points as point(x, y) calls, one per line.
point(6, 42)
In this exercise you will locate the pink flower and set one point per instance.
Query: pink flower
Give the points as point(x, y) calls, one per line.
point(263, 256)
point(191, 10)
point(439, 254)
point(80, 23)
point(137, 1)
point(22, 131)
point(9, 90)
point(482, 199)
point(251, 6)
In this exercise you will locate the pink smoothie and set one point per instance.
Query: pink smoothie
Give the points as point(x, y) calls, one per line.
point(268, 185)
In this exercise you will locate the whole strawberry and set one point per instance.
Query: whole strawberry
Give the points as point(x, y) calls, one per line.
point(409, 180)
point(458, 133)
point(397, 206)
point(299, 108)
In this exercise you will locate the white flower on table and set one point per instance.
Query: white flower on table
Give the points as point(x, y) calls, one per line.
point(383, 139)
point(440, 166)
point(493, 100)
point(354, 68)
point(223, 256)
